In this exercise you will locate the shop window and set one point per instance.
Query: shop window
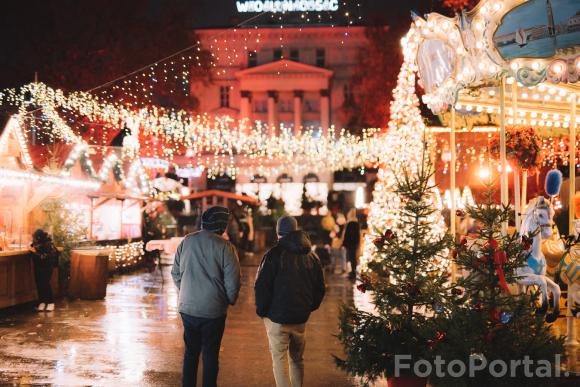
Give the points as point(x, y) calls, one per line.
point(277, 53)
point(320, 57)
point(224, 96)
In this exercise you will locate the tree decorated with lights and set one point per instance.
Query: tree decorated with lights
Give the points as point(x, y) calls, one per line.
point(404, 265)
point(409, 293)
point(489, 322)
point(404, 147)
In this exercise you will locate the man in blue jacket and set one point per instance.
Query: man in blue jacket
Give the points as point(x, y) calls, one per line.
point(207, 273)
point(289, 286)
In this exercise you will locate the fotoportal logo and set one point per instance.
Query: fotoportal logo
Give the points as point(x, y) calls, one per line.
point(478, 363)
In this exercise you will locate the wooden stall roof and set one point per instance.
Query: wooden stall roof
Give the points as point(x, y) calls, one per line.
point(224, 194)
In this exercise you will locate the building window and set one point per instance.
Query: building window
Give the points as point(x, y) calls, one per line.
point(277, 53)
point(347, 93)
point(224, 96)
point(286, 106)
point(252, 59)
point(320, 57)
point(294, 55)
point(261, 106)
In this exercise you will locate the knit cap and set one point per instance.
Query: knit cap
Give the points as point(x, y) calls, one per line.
point(215, 219)
point(286, 225)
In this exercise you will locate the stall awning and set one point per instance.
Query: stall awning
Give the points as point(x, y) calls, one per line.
point(223, 194)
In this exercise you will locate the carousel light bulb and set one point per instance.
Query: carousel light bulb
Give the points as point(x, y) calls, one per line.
point(484, 173)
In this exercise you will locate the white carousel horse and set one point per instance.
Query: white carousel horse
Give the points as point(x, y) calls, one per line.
point(537, 221)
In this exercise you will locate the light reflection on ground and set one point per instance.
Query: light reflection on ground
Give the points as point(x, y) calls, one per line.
point(134, 337)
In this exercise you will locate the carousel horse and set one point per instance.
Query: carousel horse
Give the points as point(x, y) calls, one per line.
point(537, 222)
point(563, 262)
point(568, 272)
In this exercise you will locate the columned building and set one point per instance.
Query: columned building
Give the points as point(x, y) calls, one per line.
point(292, 77)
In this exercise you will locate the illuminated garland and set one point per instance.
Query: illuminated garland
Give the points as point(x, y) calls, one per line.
point(127, 255)
point(214, 144)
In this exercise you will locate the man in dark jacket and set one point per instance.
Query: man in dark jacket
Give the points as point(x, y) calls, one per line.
point(289, 286)
point(207, 273)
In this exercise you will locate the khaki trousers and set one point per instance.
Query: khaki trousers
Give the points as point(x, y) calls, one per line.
point(284, 338)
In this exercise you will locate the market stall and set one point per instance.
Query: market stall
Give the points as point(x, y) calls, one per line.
point(67, 198)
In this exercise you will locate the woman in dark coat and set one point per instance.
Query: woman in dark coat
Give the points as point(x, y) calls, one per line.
point(45, 258)
point(351, 241)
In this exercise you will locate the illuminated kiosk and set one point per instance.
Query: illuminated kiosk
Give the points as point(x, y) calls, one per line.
point(105, 207)
point(517, 59)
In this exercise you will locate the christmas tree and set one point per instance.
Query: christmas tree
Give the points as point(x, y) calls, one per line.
point(405, 142)
point(486, 320)
point(407, 291)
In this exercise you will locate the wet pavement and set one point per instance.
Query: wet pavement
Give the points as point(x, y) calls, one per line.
point(134, 338)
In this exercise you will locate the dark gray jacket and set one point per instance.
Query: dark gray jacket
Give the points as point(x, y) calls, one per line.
point(290, 282)
point(207, 272)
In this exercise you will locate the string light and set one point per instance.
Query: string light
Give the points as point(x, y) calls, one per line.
point(56, 180)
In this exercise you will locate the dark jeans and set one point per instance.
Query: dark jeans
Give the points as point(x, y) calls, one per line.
point(351, 257)
point(202, 335)
point(42, 276)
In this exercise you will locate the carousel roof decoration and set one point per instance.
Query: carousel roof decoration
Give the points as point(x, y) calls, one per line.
point(531, 41)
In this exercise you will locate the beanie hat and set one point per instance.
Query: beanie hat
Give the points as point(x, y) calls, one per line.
point(215, 219)
point(40, 236)
point(286, 225)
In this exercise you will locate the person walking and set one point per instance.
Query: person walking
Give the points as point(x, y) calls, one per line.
point(207, 273)
point(45, 259)
point(337, 251)
point(351, 241)
point(289, 286)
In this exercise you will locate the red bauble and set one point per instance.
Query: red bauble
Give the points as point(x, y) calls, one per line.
point(389, 234)
point(379, 242)
point(456, 291)
point(478, 307)
point(440, 335)
point(494, 314)
point(430, 344)
point(361, 288)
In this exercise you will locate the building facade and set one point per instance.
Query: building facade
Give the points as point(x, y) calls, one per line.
point(296, 77)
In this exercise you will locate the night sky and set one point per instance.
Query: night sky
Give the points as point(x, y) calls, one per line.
point(94, 41)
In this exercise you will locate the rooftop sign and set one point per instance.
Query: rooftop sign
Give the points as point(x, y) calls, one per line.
point(286, 5)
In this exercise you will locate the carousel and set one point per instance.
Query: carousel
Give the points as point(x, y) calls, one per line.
point(516, 63)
